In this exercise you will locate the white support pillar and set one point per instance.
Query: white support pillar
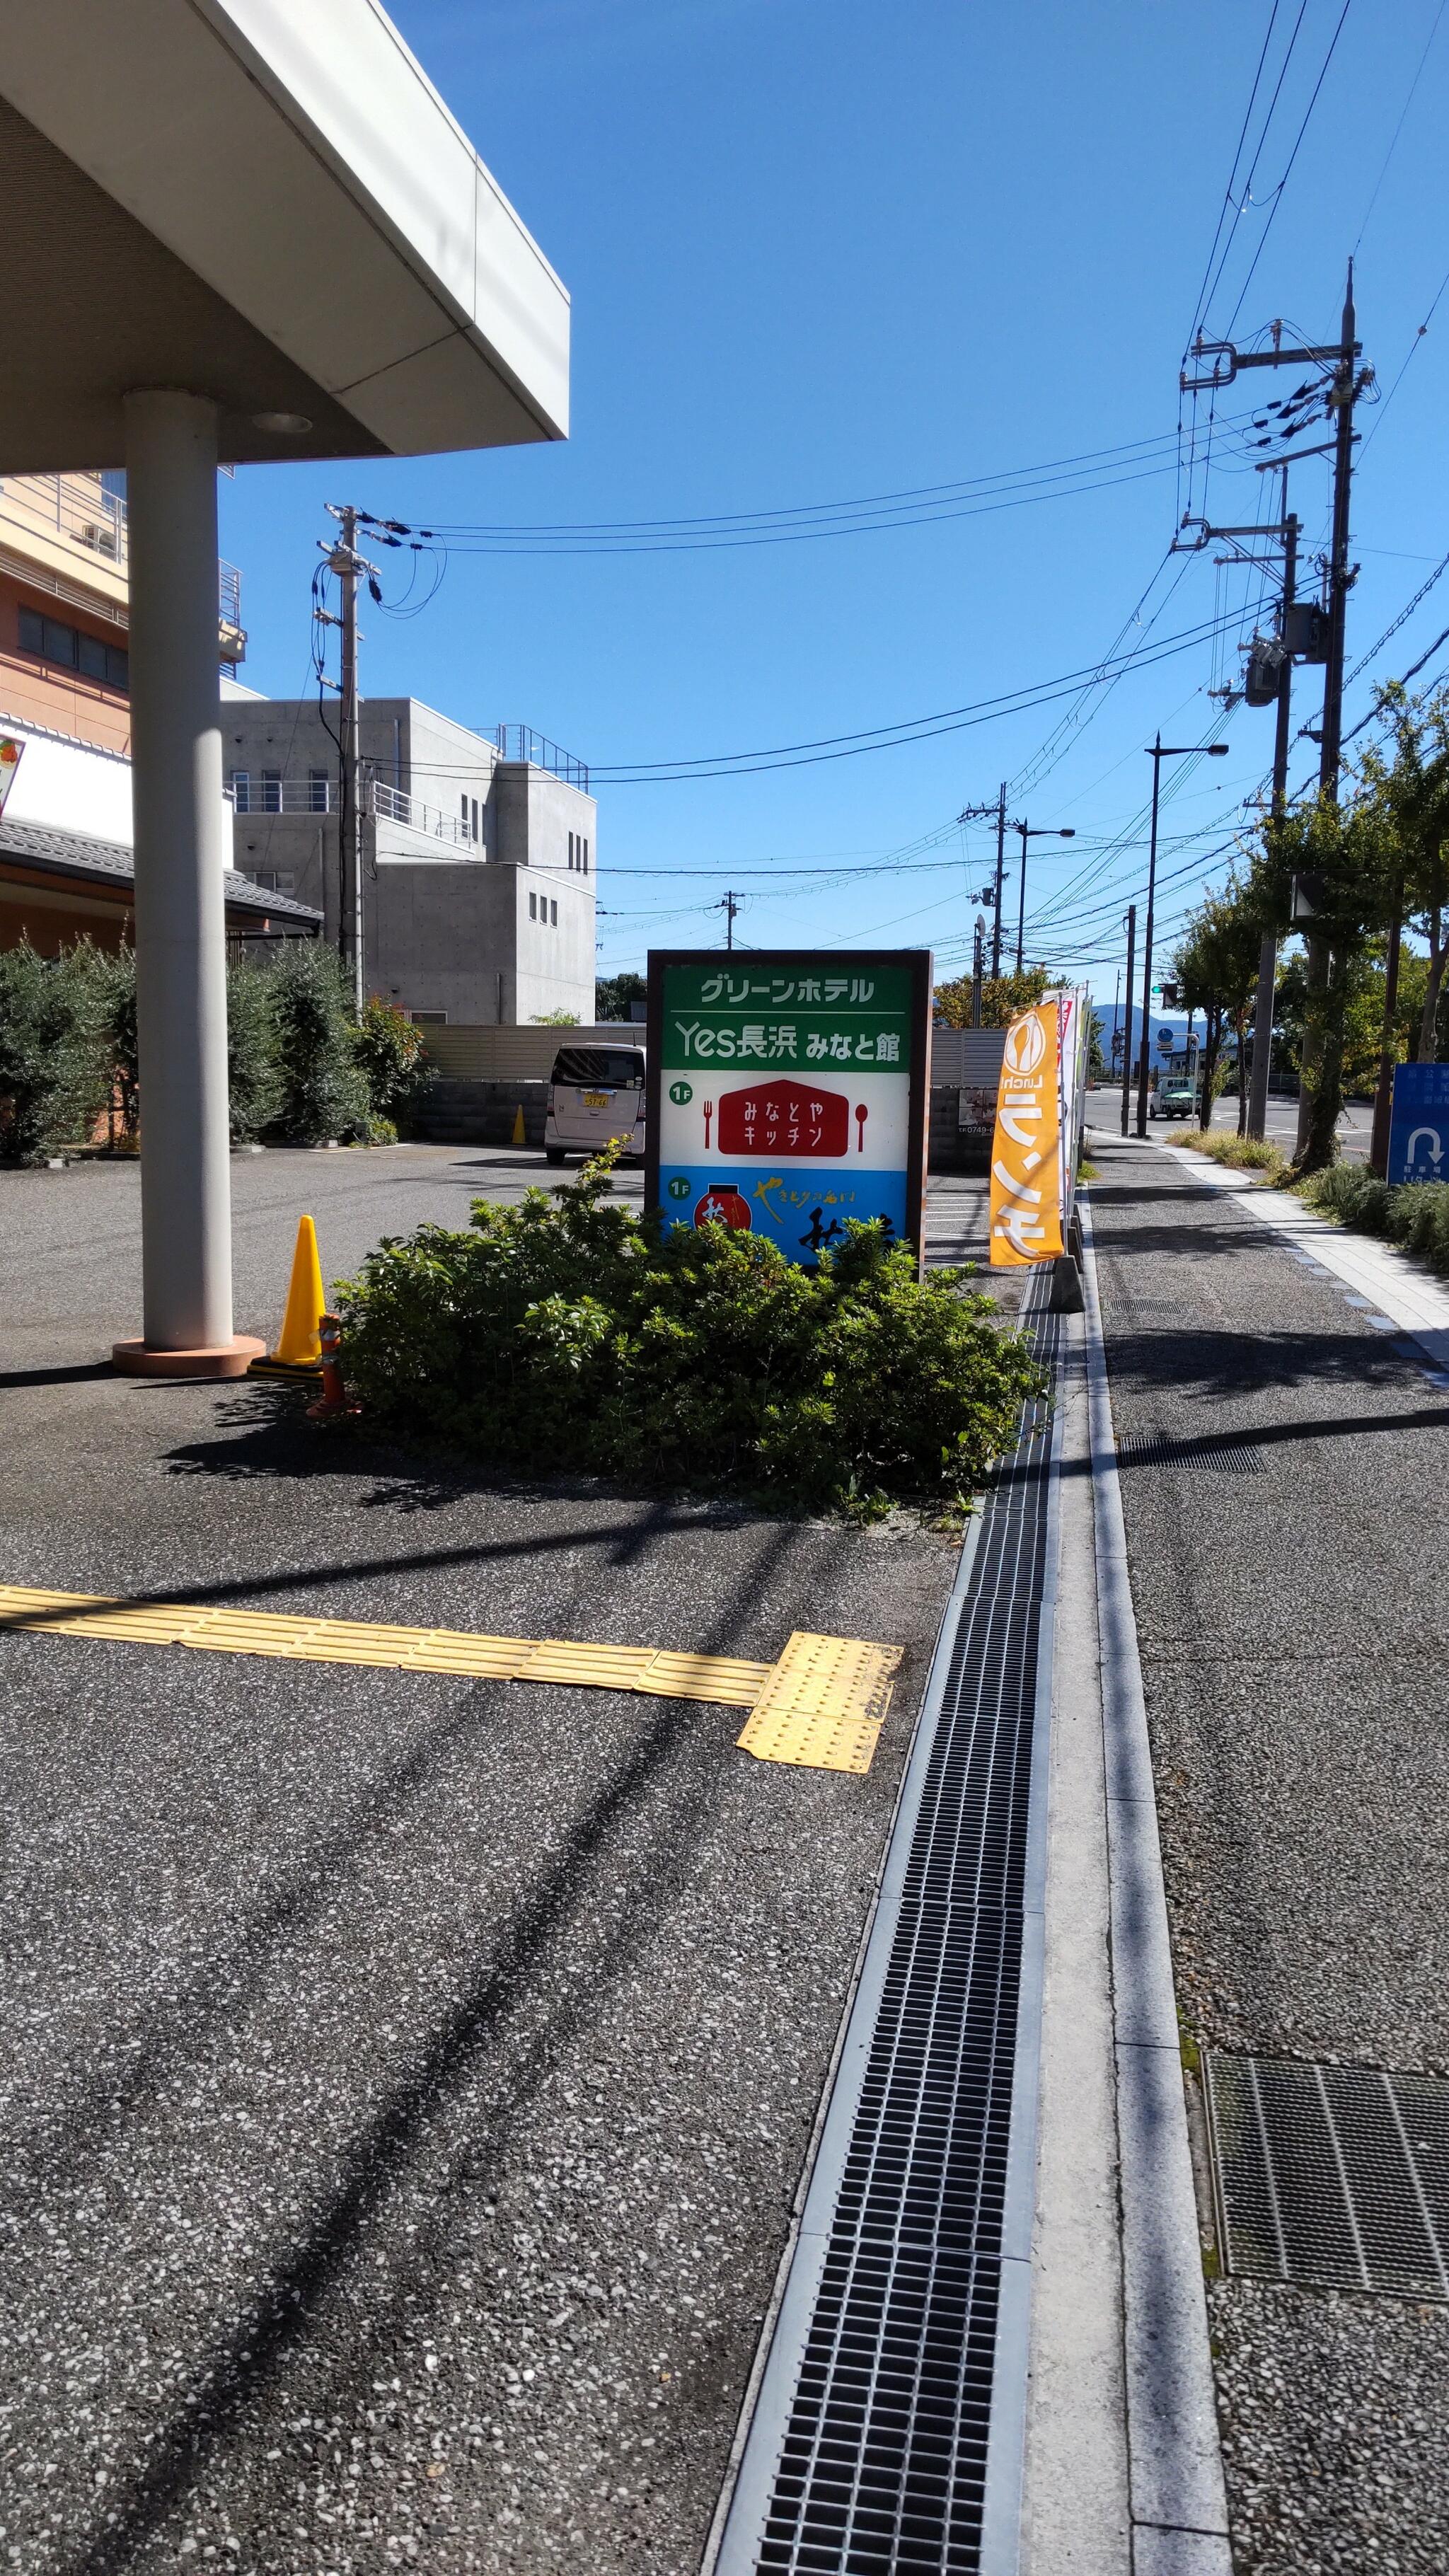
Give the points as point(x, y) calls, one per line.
point(181, 856)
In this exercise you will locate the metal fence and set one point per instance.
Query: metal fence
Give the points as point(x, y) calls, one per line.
point(520, 742)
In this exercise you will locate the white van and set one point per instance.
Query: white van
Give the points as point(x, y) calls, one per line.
point(595, 1093)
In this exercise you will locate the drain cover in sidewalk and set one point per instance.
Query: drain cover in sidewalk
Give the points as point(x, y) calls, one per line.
point(1332, 2176)
point(1155, 1449)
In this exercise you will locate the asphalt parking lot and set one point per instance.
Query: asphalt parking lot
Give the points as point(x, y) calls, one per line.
point(406, 2080)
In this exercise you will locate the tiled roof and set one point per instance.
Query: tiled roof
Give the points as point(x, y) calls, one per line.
point(81, 854)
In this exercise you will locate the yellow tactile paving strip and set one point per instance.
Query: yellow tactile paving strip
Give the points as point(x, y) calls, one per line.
point(822, 1704)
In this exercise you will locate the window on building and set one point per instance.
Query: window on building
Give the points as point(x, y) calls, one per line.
point(533, 907)
point(571, 849)
point(317, 782)
point(271, 791)
point(241, 790)
point(476, 834)
point(553, 915)
point(275, 880)
point(584, 848)
point(51, 640)
point(463, 801)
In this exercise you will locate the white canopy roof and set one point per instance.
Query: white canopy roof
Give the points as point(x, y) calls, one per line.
point(266, 202)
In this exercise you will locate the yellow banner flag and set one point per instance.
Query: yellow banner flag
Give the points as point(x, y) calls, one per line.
point(1026, 1179)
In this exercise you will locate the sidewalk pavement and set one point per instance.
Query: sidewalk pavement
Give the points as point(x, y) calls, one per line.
point(1299, 1712)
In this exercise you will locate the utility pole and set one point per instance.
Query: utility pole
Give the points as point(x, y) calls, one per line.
point(995, 813)
point(1282, 737)
point(729, 907)
point(1157, 752)
point(344, 559)
point(1348, 383)
point(978, 954)
point(1000, 874)
point(1127, 1031)
point(1346, 389)
point(1340, 578)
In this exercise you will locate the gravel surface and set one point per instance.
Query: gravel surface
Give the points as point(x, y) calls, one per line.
point(1299, 1711)
point(1335, 2416)
point(406, 2081)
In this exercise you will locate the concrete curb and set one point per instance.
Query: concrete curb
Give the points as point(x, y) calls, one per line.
point(1175, 2473)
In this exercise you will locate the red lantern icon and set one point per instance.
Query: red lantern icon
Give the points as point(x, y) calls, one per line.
point(723, 1205)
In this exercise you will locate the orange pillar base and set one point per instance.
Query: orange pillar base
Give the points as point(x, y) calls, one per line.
point(221, 1359)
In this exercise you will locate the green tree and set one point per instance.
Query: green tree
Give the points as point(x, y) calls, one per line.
point(53, 1069)
point(321, 1087)
point(393, 1055)
point(1350, 853)
point(1002, 996)
point(614, 993)
point(1408, 773)
point(1216, 966)
point(253, 1087)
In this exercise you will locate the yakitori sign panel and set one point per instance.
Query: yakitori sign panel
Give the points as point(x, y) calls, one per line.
point(788, 1092)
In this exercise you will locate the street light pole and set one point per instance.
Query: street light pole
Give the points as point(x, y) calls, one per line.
point(1127, 1026)
point(1034, 832)
point(1157, 752)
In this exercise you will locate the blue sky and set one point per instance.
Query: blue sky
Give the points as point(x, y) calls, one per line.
point(819, 251)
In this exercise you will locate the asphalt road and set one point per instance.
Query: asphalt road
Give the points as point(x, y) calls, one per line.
point(405, 2082)
point(1281, 1124)
point(1299, 1713)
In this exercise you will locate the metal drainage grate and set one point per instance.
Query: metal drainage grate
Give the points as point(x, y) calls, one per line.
point(1336, 2176)
point(1156, 1449)
point(880, 2461)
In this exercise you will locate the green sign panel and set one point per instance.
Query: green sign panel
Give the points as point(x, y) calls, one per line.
point(788, 1091)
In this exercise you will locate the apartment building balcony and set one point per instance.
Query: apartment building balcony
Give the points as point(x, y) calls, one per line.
point(268, 791)
point(67, 534)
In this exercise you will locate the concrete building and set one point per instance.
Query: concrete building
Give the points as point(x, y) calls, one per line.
point(65, 608)
point(66, 836)
point(479, 852)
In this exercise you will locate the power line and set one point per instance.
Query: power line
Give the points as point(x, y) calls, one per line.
point(1398, 129)
point(1288, 172)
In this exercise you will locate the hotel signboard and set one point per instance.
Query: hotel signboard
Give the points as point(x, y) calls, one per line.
point(788, 1092)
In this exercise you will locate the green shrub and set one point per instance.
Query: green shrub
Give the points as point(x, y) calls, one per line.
point(253, 1086)
point(566, 1333)
point(1419, 1220)
point(116, 991)
point(1352, 1194)
point(1240, 1153)
point(53, 1073)
point(1415, 1215)
point(321, 1087)
point(394, 1058)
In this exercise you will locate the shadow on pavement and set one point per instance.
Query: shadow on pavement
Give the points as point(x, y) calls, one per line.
point(245, 2366)
point(1208, 1366)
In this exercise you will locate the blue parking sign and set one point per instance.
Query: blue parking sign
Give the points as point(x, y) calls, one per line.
point(1419, 1135)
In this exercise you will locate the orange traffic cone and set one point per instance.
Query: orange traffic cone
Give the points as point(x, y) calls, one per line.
point(298, 1354)
point(518, 1135)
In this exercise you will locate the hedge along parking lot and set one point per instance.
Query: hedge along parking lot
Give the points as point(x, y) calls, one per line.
point(414, 2075)
point(566, 1327)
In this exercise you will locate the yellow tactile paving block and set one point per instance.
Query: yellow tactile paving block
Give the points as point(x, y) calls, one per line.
point(821, 1704)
